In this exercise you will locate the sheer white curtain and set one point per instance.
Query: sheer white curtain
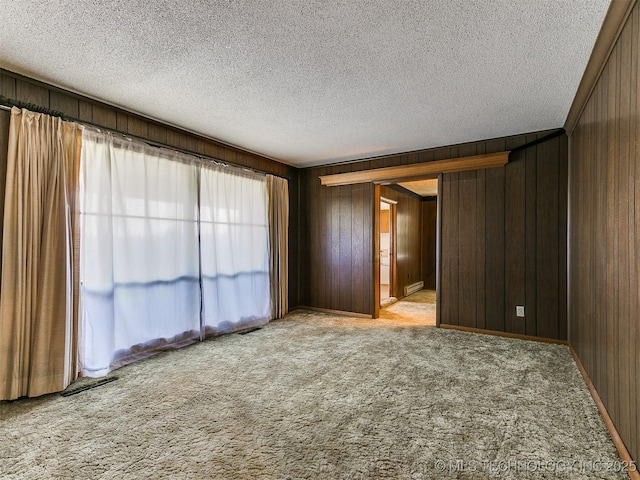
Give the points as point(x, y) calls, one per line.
point(234, 249)
point(171, 250)
point(139, 268)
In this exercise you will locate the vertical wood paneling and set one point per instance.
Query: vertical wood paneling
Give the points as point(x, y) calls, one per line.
point(563, 182)
point(495, 247)
point(504, 231)
point(449, 290)
point(63, 103)
point(604, 236)
point(106, 118)
point(530, 221)
point(345, 236)
point(445, 201)
point(467, 239)
point(515, 244)
point(476, 209)
point(32, 93)
point(138, 127)
point(429, 211)
point(357, 252)
point(85, 111)
point(481, 264)
point(7, 86)
point(547, 305)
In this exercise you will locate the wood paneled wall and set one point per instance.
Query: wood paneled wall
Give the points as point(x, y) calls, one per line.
point(17, 87)
point(604, 233)
point(505, 229)
point(429, 216)
point(336, 244)
point(504, 240)
point(408, 236)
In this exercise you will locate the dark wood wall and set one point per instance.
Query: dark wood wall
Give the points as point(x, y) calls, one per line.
point(604, 232)
point(503, 244)
point(429, 216)
point(504, 240)
point(336, 244)
point(408, 236)
point(17, 87)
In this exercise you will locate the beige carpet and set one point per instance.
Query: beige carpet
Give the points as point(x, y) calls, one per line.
point(320, 396)
point(419, 308)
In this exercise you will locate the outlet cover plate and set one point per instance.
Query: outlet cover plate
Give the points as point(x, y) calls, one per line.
point(520, 311)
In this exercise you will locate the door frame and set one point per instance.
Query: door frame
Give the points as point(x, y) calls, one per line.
point(376, 250)
point(393, 219)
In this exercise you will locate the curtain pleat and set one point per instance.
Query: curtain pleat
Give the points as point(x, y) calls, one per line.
point(140, 290)
point(35, 323)
point(278, 207)
point(234, 250)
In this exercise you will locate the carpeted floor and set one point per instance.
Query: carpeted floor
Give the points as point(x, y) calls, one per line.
point(419, 307)
point(321, 396)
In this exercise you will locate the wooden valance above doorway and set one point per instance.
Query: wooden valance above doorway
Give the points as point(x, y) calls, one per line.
point(417, 170)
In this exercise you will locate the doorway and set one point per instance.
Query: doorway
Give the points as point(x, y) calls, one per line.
point(409, 253)
point(387, 242)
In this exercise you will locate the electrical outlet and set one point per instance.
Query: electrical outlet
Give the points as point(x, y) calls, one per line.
point(520, 311)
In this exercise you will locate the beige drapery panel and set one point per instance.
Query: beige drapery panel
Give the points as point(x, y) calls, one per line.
point(37, 349)
point(278, 205)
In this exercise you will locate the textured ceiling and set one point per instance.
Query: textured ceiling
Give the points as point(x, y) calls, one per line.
point(312, 82)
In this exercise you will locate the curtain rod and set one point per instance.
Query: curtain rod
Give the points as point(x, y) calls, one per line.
point(8, 103)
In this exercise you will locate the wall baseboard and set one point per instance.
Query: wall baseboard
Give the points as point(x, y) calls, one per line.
point(341, 313)
point(615, 436)
point(496, 333)
point(608, 423)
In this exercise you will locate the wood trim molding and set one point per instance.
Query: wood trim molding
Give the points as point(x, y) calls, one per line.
point(632, 471)
point(417, 170)
point(614, 21)
point(375, 261)
point(341, 313)
point(615, 436)
point(439, 253)
point(496, 333)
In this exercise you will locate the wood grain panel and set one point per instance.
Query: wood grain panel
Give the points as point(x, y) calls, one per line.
point(495, 250)
point(429, 211)
point(7, 85)
point(467, 239)
point(63, 103)
point(504, 229)
point(547, 241)
point(407, 172)
point(474, 238)
point(85, 111)
point(515, 244)
point(105, 117)
point(32, 93)
point(358, 240)
point(449, 288)
point(604, 229)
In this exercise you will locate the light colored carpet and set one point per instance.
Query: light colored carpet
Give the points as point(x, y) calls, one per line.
point(419, 307)
point(320, 396)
